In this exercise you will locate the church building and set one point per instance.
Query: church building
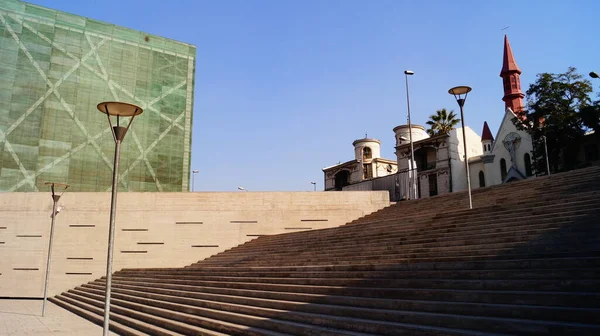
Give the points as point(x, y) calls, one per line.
point(366, 165)
point(508, 156)
point(438, 162)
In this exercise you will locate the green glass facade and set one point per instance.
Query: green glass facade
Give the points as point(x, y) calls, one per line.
point(55, 68)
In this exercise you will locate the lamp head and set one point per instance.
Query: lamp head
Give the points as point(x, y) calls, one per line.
point(241, 188)
point(409, 72)
point(594, 74)
point(195, 171)
point(460, 94)
point(119, 109)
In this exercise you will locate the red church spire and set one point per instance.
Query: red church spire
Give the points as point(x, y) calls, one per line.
point(510, 73)
point(486, 134)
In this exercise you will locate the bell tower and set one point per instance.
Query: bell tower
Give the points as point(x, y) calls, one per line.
point(510, 73)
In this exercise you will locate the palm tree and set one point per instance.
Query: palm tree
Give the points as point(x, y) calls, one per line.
point(442, 122)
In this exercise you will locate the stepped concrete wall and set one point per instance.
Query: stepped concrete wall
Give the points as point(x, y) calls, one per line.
point(152, 229)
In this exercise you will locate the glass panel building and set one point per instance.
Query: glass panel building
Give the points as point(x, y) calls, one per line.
point(55, 68)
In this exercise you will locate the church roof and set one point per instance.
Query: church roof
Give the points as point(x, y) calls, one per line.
point(508, 62)
point(486, 134)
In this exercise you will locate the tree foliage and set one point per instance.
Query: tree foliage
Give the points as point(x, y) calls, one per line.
point(442, 122)
point(557, 105)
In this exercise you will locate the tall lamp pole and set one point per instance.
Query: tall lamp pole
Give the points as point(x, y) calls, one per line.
point(460, 94)
point(118, 110)
point(194, 172)
point(411, 175)
point(314, 185)
point(546, 152)
point(54, 187)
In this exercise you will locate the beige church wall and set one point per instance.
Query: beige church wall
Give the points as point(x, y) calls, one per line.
point(381, 169)
point(500, 152)
point(456, 153)
point(152, 229)
point(474, 169)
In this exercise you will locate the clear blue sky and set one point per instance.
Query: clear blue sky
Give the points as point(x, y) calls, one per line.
point(283, 87)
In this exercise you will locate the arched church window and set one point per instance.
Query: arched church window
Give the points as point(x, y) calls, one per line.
point(528, 170)
point(481, 179)
point(367, 153)
point(503, 169)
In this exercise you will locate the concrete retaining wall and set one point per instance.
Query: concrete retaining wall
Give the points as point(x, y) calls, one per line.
point(152, 230)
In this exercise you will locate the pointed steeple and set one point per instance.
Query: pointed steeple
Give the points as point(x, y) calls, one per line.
point(486, 134)
point(510, 73)
point(508, 62)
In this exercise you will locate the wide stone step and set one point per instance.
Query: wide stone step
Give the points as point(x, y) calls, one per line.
point(271, 319)
point(568, 273)
point(358, 321)
point(550, 263)
point(534, 206)
point(345, 306)
point(408, 259)
point(419, 255)
point(568, 243)
point(576, 285)
point(433, 228)
point(160, 315)
point(564, 234)
point(96, 316)
point(330, 293)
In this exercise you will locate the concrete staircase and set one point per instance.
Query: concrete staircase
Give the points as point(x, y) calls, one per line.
point(525, 260)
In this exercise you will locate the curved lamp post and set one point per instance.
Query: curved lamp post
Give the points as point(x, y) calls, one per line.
point(460, 94)
point(54, 188)
point(118, 110)
point(412, 177)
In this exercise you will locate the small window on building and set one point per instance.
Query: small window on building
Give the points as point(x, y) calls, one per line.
point(503, 169)
point(528, 170)
point(481, 179)
point(366, 153)
point(367, 171)
point(433, 187)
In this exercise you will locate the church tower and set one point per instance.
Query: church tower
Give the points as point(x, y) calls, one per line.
point(510, 73)
point(487, 139)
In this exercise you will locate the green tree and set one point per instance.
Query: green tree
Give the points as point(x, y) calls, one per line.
point(442, 122)
point(554, 103)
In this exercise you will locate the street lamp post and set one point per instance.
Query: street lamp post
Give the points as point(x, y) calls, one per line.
point(411, 175)
point(116, 109)
point(546, 152)
point(194, 172)
point(314, 185)
point(460, 94)
point(54, 187)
